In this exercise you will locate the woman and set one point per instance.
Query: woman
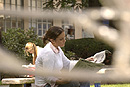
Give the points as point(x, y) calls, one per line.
point(33, 49)
point(52, 58)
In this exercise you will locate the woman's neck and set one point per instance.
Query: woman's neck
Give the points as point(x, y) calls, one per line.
point(55, 46)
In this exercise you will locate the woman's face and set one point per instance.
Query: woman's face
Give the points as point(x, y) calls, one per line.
point(30, 50)
point(60, 40)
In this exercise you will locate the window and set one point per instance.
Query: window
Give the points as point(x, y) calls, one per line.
point(20, 23)
point(40, 32)
point(11, 21)
point(19, 3)
point(7, 6)
point(39, 4)
point(34, 3)
point(7, 1)
point(69, 29)
point(40, 26)
point(8, 22)
point(13, 7)
point(29, 3)
point(13, 2)
point(43, 26)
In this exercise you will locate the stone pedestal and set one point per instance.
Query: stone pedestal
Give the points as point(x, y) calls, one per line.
point(17, 82)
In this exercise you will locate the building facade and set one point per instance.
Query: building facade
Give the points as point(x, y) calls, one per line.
point(40, 26)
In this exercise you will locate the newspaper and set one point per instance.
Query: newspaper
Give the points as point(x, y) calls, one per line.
point(99, 57)
point(85, 65)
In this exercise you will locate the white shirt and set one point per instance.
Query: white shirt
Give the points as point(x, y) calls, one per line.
point(51, 60)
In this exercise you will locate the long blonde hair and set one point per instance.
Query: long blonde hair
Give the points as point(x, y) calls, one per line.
point(32, 46)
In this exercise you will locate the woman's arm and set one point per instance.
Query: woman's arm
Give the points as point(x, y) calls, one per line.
point(66, 61)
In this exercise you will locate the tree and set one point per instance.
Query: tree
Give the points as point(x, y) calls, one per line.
point(59, 5)
point(94, 3)
point(14, 40)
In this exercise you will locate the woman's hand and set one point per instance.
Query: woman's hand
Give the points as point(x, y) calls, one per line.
point(90, 59)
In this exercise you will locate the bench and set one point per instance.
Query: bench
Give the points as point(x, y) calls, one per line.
point(17, 82)
point(20, 82)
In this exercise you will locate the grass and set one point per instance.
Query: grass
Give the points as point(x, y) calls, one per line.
point(108, 85)
point(114, 85)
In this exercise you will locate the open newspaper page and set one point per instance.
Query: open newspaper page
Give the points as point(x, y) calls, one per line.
point(98, 61)
point(99, 57)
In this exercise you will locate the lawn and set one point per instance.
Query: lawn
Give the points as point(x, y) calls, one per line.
point(114, 85)
point(108, 85)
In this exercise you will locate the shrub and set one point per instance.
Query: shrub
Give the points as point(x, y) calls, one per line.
point(14, 40)
point(86, 47)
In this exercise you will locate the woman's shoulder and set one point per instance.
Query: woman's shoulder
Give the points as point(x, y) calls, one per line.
point(46, 51)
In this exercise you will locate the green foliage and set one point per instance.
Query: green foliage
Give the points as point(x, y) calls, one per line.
point(69, 54)
point(86, 47)
point(65, 5)
point(14, 40)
